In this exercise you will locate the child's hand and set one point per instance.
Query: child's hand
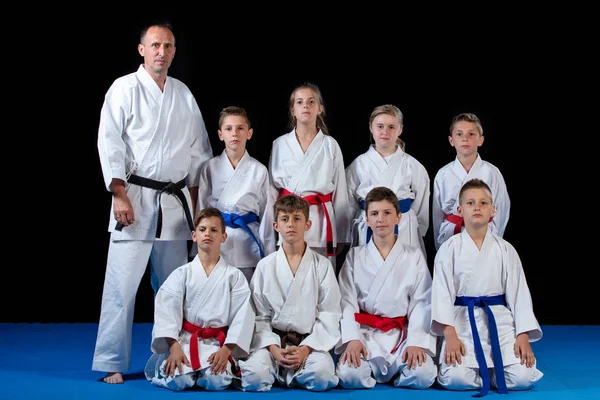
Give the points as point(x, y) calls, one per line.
point(176, 359)
point(296, 355)
point(280, 357)
point(353, 352)
point(523, 350)
point(454, 350)
point(414, 355)
point(219, 359)
point(454, 347)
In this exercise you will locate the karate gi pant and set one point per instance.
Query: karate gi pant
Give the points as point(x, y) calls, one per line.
point(125, 266)
point(260, 372)
point(203, 377)
point(459, 377)
point(378, 371)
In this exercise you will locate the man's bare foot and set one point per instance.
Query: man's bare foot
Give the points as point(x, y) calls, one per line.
point(113, 377)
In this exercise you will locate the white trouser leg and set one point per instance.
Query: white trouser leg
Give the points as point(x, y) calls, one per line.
point(518, 377)
point(155, 373)
point(459, 377)
point(166, 256)
point(258, 371)
point(125, 266)
point(209, 381)
point(421, 377)
point(317, 373)
point(355, 377)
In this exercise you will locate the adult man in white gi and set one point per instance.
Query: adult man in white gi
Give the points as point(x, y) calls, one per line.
point(151, 141)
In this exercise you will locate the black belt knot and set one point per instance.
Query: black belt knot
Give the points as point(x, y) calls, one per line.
point(171, 188)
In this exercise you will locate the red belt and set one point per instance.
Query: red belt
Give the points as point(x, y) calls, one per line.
point(458, 222)
point(383, 324)
point(316, 199)
point(204, 333)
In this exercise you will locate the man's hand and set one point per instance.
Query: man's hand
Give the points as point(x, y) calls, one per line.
point(121, 204)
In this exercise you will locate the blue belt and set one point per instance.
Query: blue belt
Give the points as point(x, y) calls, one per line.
point(242, 221)
point(485, 302)
point(404, 205)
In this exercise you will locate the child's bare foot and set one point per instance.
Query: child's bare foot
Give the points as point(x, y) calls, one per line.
point(113, 377)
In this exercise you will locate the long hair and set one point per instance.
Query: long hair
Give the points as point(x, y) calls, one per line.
point(392, 110)
point(320, 118)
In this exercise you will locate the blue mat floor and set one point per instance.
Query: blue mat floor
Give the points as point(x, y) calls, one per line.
point(53, 361)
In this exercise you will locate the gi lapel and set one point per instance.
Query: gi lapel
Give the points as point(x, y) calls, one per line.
point(164, 102)
point(385, 267)
point(306, 159)
point(387, 171)
point(481, 266)
point(205, 292)
point(295, 294)
point(460, 172)
point(230, 194)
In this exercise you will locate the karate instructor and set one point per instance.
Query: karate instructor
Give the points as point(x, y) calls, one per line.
point(151, 141)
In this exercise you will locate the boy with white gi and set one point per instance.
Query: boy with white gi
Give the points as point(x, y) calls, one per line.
point(481, 305)
point(466, 136)
point(237, 184)
point(386, 306)
point(203, 319)
point(296, 298)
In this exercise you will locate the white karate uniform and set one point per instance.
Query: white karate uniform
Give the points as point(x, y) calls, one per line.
point(307, 303)
point(318, 171)
point(463, 270)
point(156, 135)
point(221, 299)
point(398, 286)
point(406, 177)
point(242, 190)
point(446, 187)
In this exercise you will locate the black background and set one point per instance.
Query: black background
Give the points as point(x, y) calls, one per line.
point(522, 76)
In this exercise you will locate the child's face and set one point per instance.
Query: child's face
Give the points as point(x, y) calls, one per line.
point(382, 218)
point(465, 138)
point(234, 132)
point(209, 234)
point(476, 207)
point(291, 226)
point(385, 129)
point(306, 106)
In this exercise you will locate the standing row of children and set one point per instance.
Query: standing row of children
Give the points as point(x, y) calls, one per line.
point(261, 304)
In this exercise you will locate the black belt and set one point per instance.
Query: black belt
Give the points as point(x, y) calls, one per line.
point(163, 187)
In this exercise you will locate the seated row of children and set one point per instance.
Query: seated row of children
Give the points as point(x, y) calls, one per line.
point(382, 320)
